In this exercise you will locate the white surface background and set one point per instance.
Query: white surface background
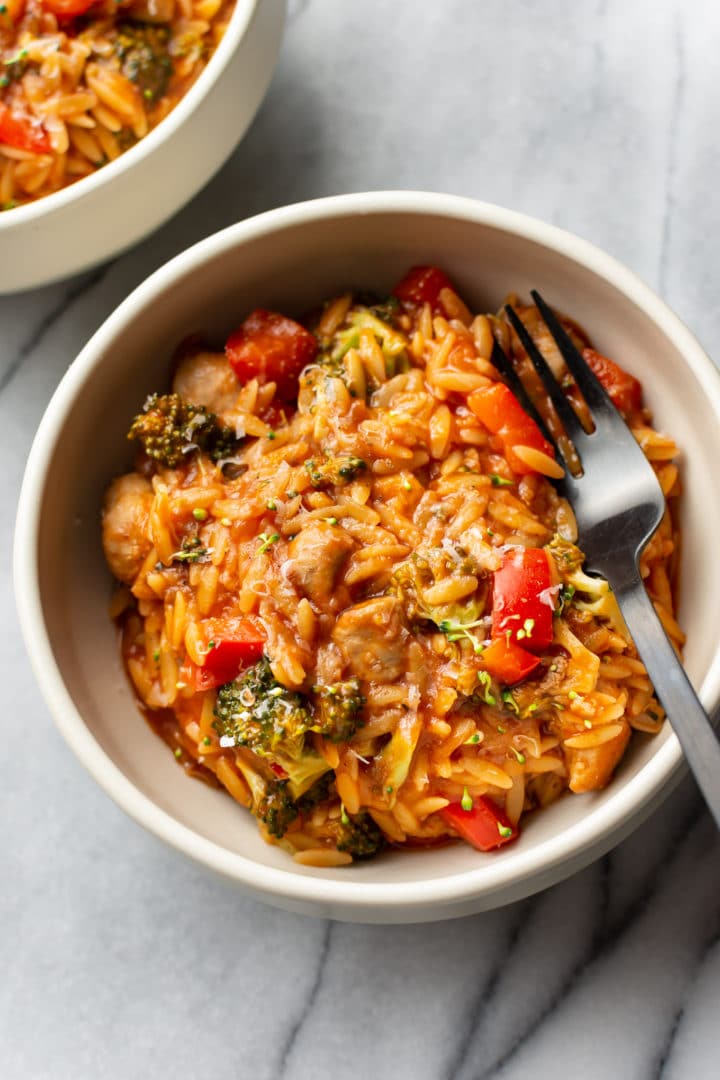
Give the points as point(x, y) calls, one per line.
point(118, 958)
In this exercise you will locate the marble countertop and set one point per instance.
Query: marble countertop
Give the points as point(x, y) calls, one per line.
point(119, 958)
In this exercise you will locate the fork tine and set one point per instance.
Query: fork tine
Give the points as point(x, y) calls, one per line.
point(592, 390)
point(502, 362)
point(565, 411)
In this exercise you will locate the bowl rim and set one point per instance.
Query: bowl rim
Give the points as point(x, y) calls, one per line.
point(34, 211)
point(596, 831)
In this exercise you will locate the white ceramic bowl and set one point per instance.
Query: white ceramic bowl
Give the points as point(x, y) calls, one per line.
point(290, 259)
point(102, 214)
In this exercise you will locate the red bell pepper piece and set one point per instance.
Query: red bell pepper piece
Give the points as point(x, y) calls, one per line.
point(228, 657)
point(485, 826)
point(503, 415)
point(270, 347)
point(423, 285)
point(623, 388)
point(23, 132)
point(523, 606)
point(508, 662)
point(68, 9)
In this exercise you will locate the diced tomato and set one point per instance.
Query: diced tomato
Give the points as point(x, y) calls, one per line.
point(68, 9)
point(22, 132)
point(228, 657)
point(623, 388)
point(423, 285)
point(271, 348)
point(522, 601)
point(507, 662)
point(503, 415)
point(485, 826)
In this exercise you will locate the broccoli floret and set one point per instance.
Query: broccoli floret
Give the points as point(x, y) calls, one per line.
point(319, 792)
point(339, 710)
point(169, 428)
point(386, 309)
point(359, 836)
point(274, 805)
point(259, 712)
point(276, 809)
point(383, 307)
point(334, 470)
point(143, 52)
point(278, 802)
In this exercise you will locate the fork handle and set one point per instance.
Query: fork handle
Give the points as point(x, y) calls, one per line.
point(689, 720)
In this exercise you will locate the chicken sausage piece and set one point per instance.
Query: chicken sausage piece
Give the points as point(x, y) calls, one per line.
point(124, 525)
point(207, 379)
point(372, 638)
point(314, 560)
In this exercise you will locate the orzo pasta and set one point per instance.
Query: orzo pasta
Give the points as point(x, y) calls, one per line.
point(80, 82)
point(351, 594)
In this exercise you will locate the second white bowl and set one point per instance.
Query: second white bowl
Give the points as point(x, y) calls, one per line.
point(97, 217)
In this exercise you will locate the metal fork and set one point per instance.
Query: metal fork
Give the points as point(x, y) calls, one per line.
point(618, 504)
